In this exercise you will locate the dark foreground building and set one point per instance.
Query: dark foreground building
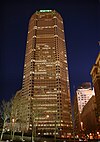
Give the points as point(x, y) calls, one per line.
point(88, 117)
point(95, 73)
point(45, 105)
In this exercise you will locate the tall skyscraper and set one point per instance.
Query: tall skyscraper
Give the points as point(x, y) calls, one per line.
point(45, 100)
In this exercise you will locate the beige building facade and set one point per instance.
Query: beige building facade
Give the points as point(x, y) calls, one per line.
point(81, 98)
point(45, 98)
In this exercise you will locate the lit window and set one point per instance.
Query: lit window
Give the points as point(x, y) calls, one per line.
point(24, 76)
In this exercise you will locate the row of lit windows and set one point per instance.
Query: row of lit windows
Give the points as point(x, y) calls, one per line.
point(45, 53)
point(46, 39)
point(45, 62)
point(43, 105)
point(48, 125)
point(44, 72)
point(46, 27)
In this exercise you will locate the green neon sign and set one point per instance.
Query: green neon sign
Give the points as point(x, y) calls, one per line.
point(45, 10)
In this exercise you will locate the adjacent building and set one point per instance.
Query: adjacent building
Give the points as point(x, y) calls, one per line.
point(88, 117)
point(45, 102)
point(84, 93)
point(82, 96)
point(95, 73)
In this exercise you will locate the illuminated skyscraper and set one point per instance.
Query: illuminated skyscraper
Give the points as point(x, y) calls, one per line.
point(45, 100)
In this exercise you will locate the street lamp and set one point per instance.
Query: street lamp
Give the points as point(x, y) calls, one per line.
point(81, 128)
point(97, 135)
point(12, 135)
point(47, 116)
point(81, 125)
point(13, 120)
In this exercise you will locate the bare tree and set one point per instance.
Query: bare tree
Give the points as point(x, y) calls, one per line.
point(22, 122)
point(5, 111)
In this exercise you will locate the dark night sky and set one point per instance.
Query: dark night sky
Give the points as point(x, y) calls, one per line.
point(82, 33)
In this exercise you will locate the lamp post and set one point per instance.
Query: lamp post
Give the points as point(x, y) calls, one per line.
point(97, 135)
point(12, 129)
point(47, 116)
point(81, 128)
point(81, 125)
